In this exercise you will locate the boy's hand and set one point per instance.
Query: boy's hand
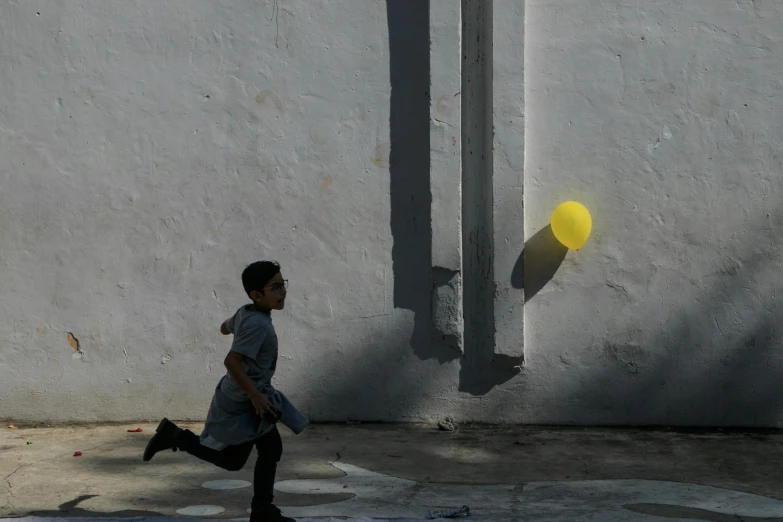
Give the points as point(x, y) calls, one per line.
point(224, 328)
point(264, 407)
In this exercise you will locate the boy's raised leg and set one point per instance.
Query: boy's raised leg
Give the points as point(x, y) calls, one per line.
point(169, 436)
point(164, 437)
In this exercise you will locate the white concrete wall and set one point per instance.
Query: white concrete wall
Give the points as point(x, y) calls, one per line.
point(149, 151)
point(665, 119)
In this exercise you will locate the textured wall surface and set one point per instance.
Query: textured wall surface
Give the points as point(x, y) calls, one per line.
point(665, 120)
point(150, 150)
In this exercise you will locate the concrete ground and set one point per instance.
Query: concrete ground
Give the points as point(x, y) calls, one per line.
point(404, 472)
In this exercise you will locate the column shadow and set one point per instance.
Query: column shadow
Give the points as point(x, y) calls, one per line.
point(409, 170)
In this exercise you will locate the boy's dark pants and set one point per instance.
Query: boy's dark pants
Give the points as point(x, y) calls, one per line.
point(233, 458)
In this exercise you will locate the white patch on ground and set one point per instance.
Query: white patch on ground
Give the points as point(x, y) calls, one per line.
point(383, 496)
point(226, 484)
point(200, 511)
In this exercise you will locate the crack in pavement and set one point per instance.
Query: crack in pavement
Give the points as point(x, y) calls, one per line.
point(7, 478)
point(339, 453)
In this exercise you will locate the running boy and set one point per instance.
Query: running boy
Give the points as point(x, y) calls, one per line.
point(245, 407)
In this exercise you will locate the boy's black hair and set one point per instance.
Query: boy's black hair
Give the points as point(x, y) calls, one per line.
point(258, 274)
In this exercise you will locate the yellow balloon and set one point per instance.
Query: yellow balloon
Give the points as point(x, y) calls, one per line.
point(571, 224)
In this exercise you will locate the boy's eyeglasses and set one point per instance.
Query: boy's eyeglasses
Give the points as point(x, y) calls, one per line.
point(276, 287)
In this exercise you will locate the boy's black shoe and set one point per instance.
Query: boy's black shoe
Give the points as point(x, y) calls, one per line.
point(269, 514)
point(162, 440)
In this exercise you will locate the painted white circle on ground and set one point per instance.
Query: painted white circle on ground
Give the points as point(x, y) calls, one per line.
point(226, 484)
point(200, 511)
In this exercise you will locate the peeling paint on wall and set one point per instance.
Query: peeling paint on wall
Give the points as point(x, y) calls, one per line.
point(73, 342)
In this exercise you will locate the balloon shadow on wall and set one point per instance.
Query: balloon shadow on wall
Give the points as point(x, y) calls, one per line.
point(538, 263)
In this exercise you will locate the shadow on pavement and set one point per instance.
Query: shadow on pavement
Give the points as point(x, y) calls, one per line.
point(71, 509)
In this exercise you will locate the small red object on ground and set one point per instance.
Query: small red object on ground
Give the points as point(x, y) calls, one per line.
point(77, 454)
point(137, 430)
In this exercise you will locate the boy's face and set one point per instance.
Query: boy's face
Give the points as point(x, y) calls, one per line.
point(273, 297)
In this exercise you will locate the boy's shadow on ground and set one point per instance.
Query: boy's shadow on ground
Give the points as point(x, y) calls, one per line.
point(70, 510)
point(538, 263)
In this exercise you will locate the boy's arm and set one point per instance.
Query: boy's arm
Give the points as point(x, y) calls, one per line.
point(233, 364)
point(248, 339)
point(260, 401)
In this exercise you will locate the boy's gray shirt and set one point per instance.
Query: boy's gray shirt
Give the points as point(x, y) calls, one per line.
point(232, 419)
